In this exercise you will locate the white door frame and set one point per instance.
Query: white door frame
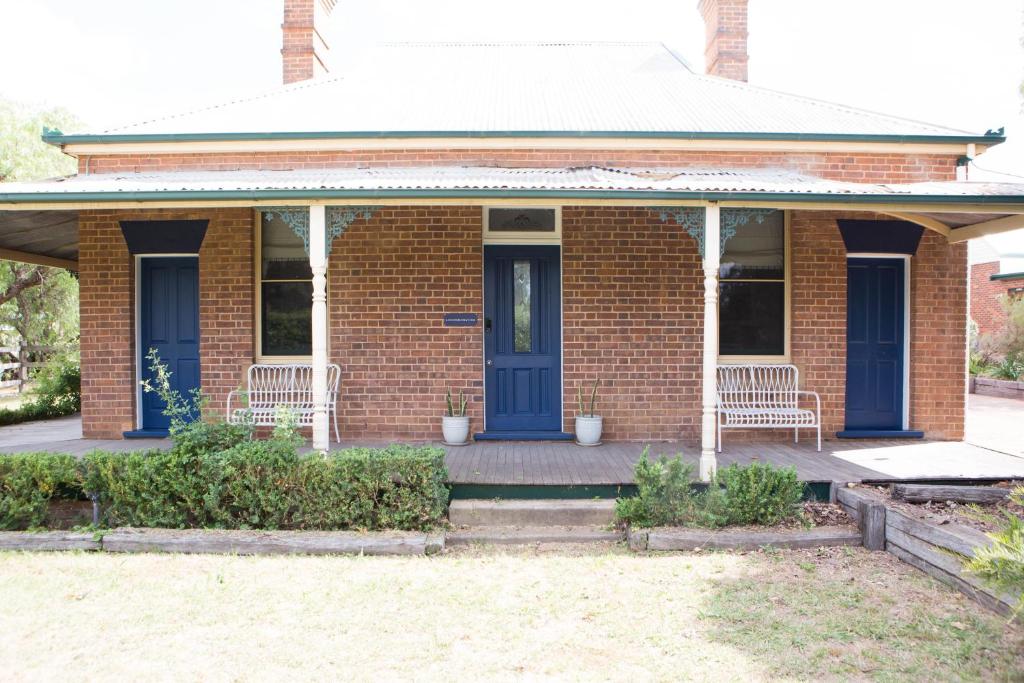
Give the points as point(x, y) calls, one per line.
point(906, 258)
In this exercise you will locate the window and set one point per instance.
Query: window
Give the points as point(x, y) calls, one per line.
point(522, 225)
point(752, 309)
point(286, 292)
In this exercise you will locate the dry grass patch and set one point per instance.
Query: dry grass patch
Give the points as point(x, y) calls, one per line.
point(564, 613)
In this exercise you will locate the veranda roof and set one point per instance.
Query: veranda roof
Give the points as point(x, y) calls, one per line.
point(35, 217)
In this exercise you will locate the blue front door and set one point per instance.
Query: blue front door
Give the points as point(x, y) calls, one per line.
point(169, 323)
point(522, 339)
point(874, 343)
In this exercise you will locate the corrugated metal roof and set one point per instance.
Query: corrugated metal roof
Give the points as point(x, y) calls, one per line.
point(627, 88)
point(497, 180)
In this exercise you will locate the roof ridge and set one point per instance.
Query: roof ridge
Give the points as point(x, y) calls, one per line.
point(744, 85)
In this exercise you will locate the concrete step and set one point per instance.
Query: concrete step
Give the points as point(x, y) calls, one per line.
point(529, 535)
point(566, 512)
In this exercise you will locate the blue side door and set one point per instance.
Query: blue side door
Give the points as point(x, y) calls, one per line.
point(522, 338)
point(169, 323)
point(874, 343)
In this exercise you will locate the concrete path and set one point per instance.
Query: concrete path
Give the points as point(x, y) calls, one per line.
point(996, 423)
point(16, 437)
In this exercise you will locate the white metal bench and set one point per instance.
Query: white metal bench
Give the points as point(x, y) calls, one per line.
point(764, 397)
point(270, 387)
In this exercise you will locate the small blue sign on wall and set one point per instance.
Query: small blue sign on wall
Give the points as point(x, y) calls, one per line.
point(460, 319)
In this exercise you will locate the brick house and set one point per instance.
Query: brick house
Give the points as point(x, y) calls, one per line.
point(517, 220)
point(993, 277)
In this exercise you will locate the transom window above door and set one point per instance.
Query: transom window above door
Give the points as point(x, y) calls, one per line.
point(522, 225)
point(285, 292)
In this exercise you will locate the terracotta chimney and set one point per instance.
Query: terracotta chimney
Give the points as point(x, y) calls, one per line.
point(303, 50)
point(725, 25)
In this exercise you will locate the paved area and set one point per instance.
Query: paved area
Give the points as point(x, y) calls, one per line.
point(996, 423)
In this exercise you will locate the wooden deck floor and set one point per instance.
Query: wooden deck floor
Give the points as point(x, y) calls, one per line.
point(533, 463)
point(566, 464)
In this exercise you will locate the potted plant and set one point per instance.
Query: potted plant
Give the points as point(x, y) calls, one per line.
point(455, 423)
point(588, 424)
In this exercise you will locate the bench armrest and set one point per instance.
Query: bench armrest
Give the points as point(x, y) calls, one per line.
point(234, 393)
point(817, 401)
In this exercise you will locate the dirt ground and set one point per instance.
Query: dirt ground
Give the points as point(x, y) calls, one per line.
point(556, 612)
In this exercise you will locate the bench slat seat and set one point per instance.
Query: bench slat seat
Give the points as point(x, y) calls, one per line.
point(271, 387)
point(764, 397)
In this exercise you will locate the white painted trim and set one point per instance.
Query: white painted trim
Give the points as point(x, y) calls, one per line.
point(258, 303)
point(523, 238)
point(137, 313)
point(787, 288)
point(483, 143)
point(906, 324)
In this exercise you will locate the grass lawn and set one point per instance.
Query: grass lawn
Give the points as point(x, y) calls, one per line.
point(563, 613)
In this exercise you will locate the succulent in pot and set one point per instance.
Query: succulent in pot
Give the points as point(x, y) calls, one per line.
point(455, 423)
point(588, 423)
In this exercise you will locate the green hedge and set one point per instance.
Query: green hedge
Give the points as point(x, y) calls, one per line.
point(245, 485)
point(267, 485)
point(28, 481)
point(756, 493)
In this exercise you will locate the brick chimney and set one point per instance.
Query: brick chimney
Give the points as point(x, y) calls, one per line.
point(725, 50)
point(303, 49)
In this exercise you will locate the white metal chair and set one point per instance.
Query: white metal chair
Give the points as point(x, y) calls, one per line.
point(764, 397)
point(270, 387)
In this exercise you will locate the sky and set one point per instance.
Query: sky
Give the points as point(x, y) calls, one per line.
point(958, 63)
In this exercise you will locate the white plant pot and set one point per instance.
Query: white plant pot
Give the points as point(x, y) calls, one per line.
point(588, 430)
point(455, 430)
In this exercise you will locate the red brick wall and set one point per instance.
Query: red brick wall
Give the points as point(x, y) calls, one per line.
point(391, 280)
point(818, 310)
point(725, 28)
point(986, 309)
point(632, 315)
point(938, 341)
point(852, 167)
point(108, 320)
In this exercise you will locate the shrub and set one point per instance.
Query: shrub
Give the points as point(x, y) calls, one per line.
point(268, 485)
point(760, 494)
point(28, 481)
point(59, 384)
point(748, 494)
point(58, 393)
point(666, 497)
point(1001, 565)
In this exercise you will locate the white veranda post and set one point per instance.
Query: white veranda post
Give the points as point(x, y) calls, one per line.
point(712, 259)
point(318, 264)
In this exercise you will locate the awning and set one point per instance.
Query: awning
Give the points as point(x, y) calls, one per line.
point(40, 217)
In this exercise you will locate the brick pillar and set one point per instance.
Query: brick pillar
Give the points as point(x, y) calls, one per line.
point(725, 28)
point(303, 49)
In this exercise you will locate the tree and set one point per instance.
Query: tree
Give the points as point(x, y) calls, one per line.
point(37, 304)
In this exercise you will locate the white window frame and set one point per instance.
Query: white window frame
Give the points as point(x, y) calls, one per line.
point(523, 237)
point(258, 299)
point(786, 356)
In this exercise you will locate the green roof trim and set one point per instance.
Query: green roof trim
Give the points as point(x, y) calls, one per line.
point(368, 195)
point(1007, 276)
point(57, 138)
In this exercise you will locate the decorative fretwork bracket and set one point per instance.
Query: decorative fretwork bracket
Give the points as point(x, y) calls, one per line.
point(691, 219)
point(338, 219)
